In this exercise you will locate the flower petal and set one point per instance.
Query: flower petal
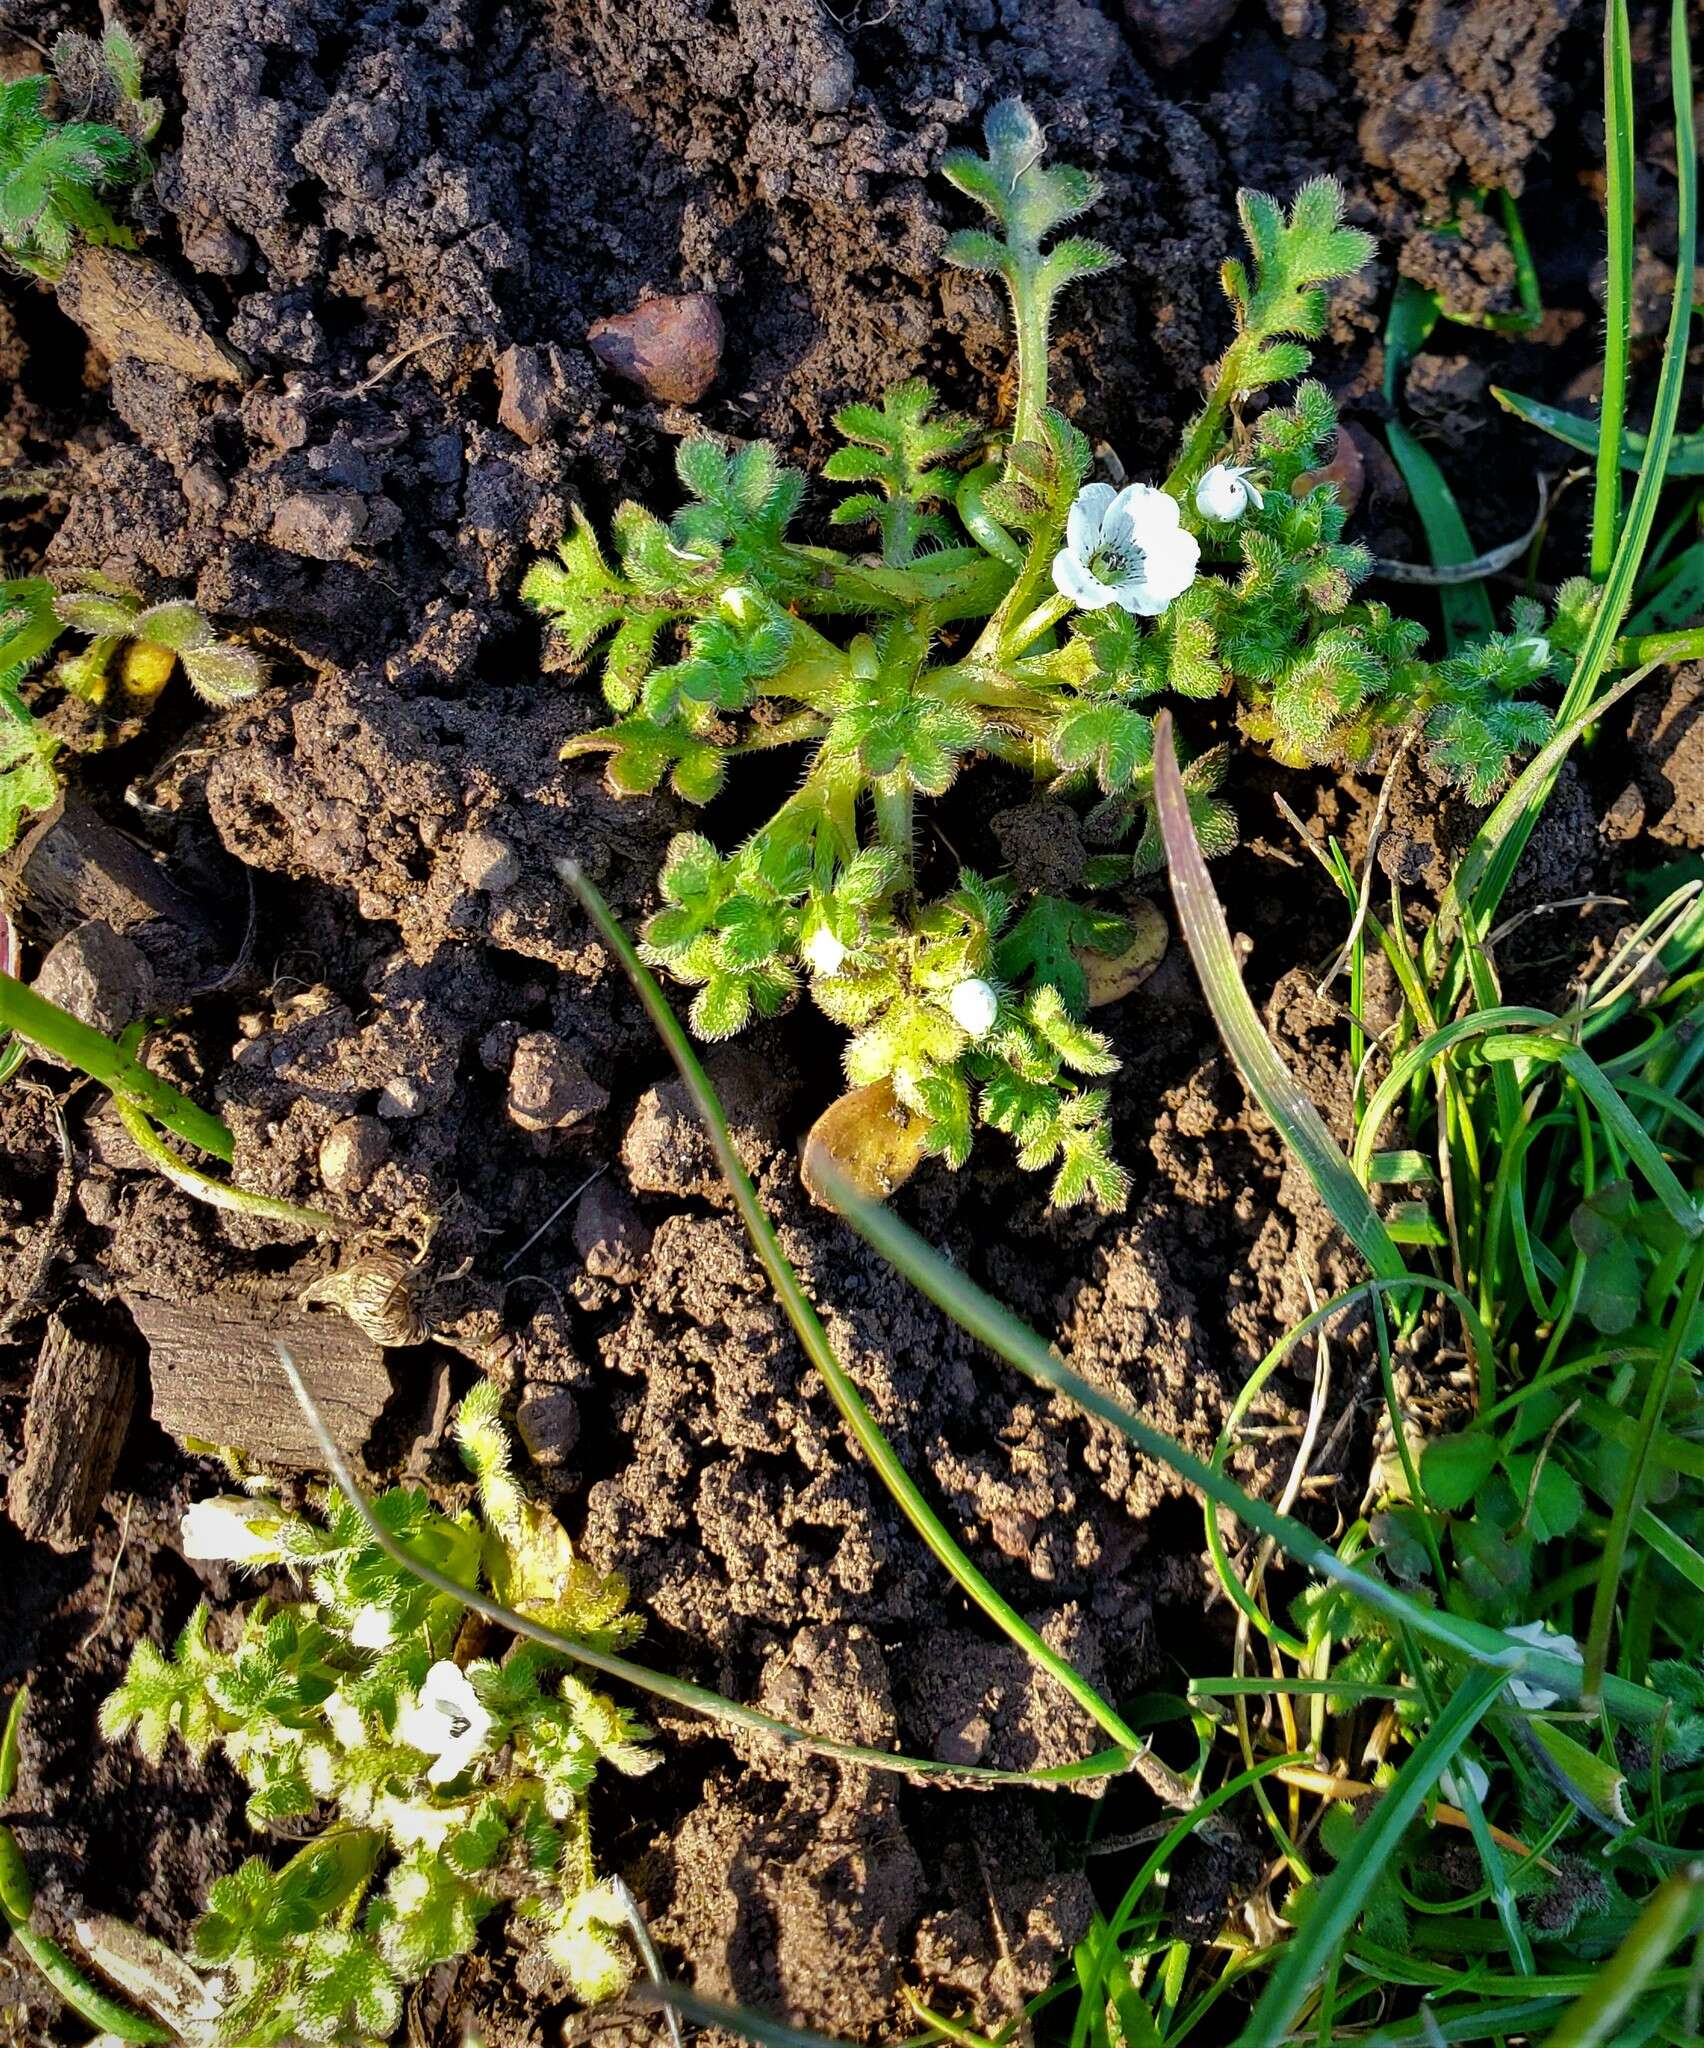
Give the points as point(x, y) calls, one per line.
point(1071, 579)
point(1086, 519)
point(1153, 515)
point(1168, 567)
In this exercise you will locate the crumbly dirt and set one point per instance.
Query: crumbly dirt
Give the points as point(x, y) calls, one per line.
point(374, 204)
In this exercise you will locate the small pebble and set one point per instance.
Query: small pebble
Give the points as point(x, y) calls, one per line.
point(322, 525)
point(489, 863)
point(549, 1089)
point(1167, 31)
point(671, 348)
point(352, 1152)
point(403, 1096)
point(99, 976)
point(610, 1235)
point(547, 1422)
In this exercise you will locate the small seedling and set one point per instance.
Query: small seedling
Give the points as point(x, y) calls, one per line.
point(133, 650)
point(52, 171)
point(1018, 611)
point(456, 1780)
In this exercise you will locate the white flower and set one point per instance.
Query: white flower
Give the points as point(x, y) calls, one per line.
point(230, 1529)
point(345, 1720)
point(974, 1005)
point(1226, 492)
point(1127, 548)
point(1538, 1696)
point(372, 1628)
point(446, 1721)
point(823, 952)
point(1476, 1775)
point(1537, 651)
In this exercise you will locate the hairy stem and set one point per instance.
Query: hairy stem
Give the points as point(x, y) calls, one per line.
point(895, 799)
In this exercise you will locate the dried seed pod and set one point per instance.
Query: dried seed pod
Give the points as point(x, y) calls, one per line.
point(379, 1292)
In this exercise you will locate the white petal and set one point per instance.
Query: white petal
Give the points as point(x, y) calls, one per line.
point(1072, 580)
point(1169, 568)
point(1476, 1775)
point(1153, 515)
point(974, 1005)
point(1254, 491)
point(229, 1529)
point(1086, 519)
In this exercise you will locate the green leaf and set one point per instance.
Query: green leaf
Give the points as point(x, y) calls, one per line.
point(1454, 1468)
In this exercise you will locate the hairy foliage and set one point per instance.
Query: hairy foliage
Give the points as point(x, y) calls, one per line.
point(52, 171)
point(453, 1781)
point(133, 650)
point(720, 633)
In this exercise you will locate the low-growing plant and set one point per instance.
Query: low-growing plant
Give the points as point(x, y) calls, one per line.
point(53, 171)
point(1014, 609)
point(455, 1777)
point(133, 651)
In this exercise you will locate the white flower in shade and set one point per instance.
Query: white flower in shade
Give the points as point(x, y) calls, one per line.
point(372, 1628)
point(230, 1529)
point(975, 1005)
point(1226, 492)
point(1126, 548)
point(823, 952)
point(1451, 1782)
point(1521, 1691)
point(445, 1721)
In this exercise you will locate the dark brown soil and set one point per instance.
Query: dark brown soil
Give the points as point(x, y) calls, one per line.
point(375, 202)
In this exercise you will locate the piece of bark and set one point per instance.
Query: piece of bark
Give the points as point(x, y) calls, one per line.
point(129, 306)
point(74, 1428)
point(73, 868)
point(217, 1378)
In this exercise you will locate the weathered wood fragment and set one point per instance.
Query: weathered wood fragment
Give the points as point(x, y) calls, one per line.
point(74, 1428)
point(217, 1380)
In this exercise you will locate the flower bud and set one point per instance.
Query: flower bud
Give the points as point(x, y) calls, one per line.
point(1224, 493)
point(974, 1004)
point(230, 1529)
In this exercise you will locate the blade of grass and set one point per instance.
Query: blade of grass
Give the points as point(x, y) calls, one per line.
point(91, 1052)
point(1574, 430)
point(1271, 1083)
point(815, 1342)
point(1304, 1958)
point(1618, 282)
point(1013, 1340)
point(677, 1692)
point(1601, 639)
point(1671, 1913)
point(1636, 1476)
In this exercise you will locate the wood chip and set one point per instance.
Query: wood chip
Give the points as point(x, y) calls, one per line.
point(74, 1428)
point(216, 1377)
point(130, 306)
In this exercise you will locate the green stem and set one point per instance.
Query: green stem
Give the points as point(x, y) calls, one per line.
point(218, 1194)
point(979, 522)
point(1644, 649)
point(895, 801)
point(1208, 430)
point(1031, 310)
point(1029, 629)
point(1636, 1475)
point(91, 1052)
